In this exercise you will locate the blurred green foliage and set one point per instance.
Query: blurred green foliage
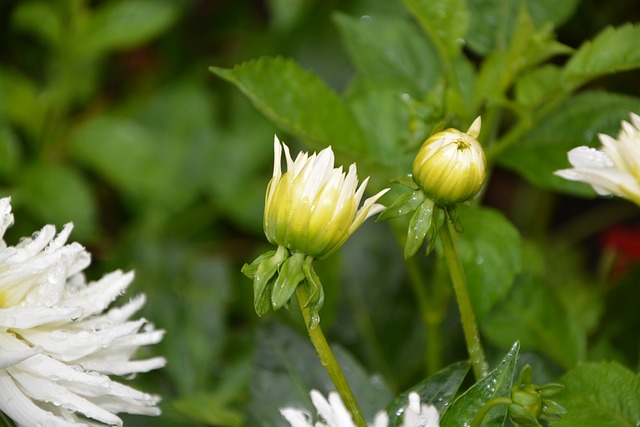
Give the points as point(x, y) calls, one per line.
point(109, 118)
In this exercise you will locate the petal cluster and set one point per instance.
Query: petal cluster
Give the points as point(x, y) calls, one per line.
point(450, 166)
point(333, 413)
point(59, 341)
point(312, 208)
point(613, 169)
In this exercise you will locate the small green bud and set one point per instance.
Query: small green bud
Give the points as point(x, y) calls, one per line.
point(451, 166)
point(530, 403)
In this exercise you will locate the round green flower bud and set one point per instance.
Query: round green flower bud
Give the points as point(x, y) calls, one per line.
point(312, 208)
point(450, 166)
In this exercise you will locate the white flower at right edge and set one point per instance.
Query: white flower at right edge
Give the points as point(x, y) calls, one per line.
point(60, 341)
point(333, 413)
point(615, 168)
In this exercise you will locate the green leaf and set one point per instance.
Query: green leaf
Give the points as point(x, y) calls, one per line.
point(494, 21)
point(390, 53)
point(527, 48)
point(285, 14)
point(19, 102)
point(490, 253)
point(437, 390)
point(157, 154)
point(383, 117)
point(611, 51)
point(533, 315)
point(298, 101)
point(575, 122)
point(120, 150)
point(538, 86)
point(496, 384)
point(600, 395)
point(445, 22)
point(121, 24)
point(38, 18)
point(10, 152)
point(57, 194)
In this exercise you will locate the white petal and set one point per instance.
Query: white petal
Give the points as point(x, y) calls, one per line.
point(11, 357)
point(369, 208)
point(342, 415)
point(277, 158)
point(47, 391)
point(70, 345)
point(6, 218)
point(322, 405)
point(296, 417)
point(587, 157)
point(97, 296)
point(23, 411)
point(381, 419)
point(30, 317)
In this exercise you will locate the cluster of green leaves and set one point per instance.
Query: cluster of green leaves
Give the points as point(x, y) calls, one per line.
point(412, 73)
point(109, 119)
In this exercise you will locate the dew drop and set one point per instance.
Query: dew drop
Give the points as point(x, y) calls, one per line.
point(314, 321)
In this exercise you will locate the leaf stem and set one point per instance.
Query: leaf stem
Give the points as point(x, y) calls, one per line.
point(328, 360)
point(477, 420)
point(469, 326)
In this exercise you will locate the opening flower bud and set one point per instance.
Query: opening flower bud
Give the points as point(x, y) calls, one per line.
point(451, 166)
point(312, 208)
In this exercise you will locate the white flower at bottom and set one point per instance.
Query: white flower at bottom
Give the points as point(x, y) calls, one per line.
point(333, 413)
point(615, 168)
point(58, 344)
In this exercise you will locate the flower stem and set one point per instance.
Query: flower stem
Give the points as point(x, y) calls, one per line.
point(469, 326)
point(477, 420)
point(328, 360)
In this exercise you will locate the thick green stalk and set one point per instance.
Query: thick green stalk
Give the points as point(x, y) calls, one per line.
point(328, 360)
point(469, 326)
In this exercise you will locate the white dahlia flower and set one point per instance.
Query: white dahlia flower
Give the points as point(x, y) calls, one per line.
point(333, 413)
point(59, 342)
point(615, 168)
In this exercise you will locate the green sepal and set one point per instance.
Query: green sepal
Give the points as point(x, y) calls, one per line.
point(263, 277)
point(550, 389)
point(314, 290)
point(249, 270)
point(551, 410)
point(407, 181)
point(454, 219)
point(439, 127)
point(418, 227)
point(437, 221)
point(521, 416)
point(525, 376)
point(289, 276)
point(405, 203)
